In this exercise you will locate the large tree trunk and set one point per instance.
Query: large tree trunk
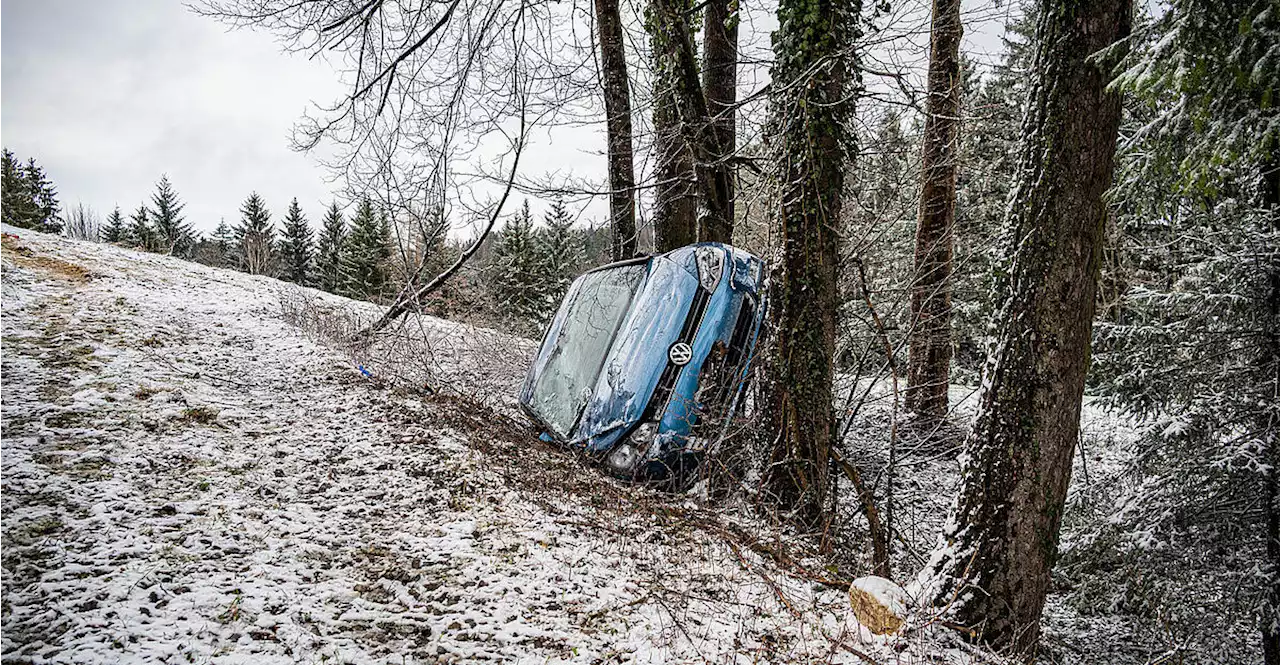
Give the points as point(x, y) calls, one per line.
point(929, 366)
point(998, 553)
point(813, 75)
point(675, 204)
point(617, 107)
point(688, 170)
point(720, 85)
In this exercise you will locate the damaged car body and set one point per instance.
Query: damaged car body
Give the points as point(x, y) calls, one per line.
point(645, 361)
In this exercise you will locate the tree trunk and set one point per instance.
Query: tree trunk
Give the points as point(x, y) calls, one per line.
point(720, 85)
point(929, 366)
point(995, 564)
point(813, 74)
point(675, 205)
point(617, 107)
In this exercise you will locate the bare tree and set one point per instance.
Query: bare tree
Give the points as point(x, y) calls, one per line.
point(617, 105)
point(996, 557)
point(929, 366)
point(81, 223)
point(720, 85)
point(675, 202)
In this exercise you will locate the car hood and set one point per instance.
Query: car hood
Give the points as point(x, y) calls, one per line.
point(638, 356)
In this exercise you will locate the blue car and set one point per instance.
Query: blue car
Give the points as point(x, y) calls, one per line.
point(644, 363)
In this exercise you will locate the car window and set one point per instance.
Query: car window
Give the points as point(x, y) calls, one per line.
point(590, 324)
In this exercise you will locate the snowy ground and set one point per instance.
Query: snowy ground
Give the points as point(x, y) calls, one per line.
point(187, 478)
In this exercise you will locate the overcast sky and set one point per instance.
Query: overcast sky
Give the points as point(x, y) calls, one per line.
point(108, 95)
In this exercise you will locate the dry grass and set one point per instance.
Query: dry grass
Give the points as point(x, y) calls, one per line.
point(15, 250)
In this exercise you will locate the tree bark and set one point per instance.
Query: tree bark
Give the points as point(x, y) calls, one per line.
point(812, 74)
point(617, 106)
point(675, 205)
point(929, 365)
point(997, 555)
point(720, 85)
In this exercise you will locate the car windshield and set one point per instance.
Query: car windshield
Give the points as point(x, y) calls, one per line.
point(590, 324)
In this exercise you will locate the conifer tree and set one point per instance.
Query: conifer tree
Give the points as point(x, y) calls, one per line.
point(255, 238)
point(115, 230)
point(224, 238)
point(139, 233)
point(519, 267)
point(18, 206)
point(30, 200)
point(329, 250)
point(364, 272)
point(171, 232)
point(562, 250)
point(296, 246)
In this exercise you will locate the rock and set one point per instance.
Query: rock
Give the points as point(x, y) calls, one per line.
point(879, 604)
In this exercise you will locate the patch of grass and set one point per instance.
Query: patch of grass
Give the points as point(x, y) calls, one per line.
point(23, 255)
point(153, 342)
point(145, 393)
point(45, 526)
point(203, 415)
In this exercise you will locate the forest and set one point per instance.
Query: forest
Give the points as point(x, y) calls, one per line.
point(968, 253)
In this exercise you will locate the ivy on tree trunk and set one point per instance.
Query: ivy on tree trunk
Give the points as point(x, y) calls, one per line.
point(813, 75)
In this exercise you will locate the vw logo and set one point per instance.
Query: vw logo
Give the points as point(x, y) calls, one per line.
point(680, 354)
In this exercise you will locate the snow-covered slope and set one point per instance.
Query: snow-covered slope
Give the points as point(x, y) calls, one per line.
point(186, 478)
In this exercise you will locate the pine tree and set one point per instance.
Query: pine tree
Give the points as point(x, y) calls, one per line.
point(519, 268)
point(171, 232)
point(296, 247)
point(224, 238)
point(115, 230)
point(562, 249)
point(30, 200)
point(929, 366)
point(12, 189)
point(364, 271)
point(255, 239)
point(329, 250)
point(139, 234)
point(1191, 342)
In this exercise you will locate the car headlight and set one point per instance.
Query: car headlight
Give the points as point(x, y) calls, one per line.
point(623, 458)
point(710, 267)
point(627, 454)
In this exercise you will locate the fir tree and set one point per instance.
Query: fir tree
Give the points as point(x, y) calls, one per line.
point(329, 250)
point(364, 272)
point(296, 247)
point(255, 238)
point(172, 234)
point(562, 249)
point(139, 233)
point(30, 200)
point(224, 237)
point(519, 265)
point(115, 230)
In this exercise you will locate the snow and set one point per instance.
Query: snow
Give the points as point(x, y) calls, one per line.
point(188, 478)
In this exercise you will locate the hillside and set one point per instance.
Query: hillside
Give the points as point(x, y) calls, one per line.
point(187, 478)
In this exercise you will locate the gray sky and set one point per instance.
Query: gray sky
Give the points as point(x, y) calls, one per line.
point(108, 95)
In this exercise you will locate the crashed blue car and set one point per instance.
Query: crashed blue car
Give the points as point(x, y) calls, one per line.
point(645, 361)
